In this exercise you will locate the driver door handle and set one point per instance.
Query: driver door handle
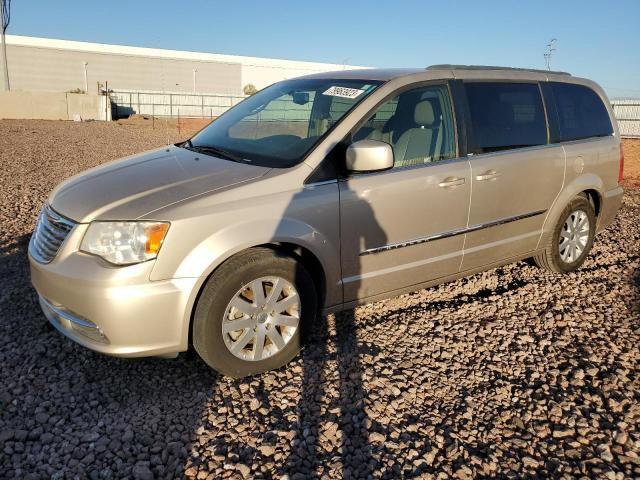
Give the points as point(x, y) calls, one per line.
point(451, 182)
point(488, 175)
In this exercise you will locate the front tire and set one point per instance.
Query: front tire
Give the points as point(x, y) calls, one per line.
point(572, 238)
point(251, 313)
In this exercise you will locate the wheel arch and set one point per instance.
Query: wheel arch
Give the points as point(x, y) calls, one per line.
point(310, 261)
point(308, 258)
point(589, 184)
point(595, 197)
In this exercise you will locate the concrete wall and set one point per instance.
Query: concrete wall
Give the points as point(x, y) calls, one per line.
point(49, 69)
point(264, 74)
point(43, 64)
point(51, 106)
point(86, 105)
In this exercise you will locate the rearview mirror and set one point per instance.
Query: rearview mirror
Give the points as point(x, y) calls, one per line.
point(369, 156)
point(300, 98)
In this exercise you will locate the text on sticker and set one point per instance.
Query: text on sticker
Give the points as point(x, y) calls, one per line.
point(343, 92)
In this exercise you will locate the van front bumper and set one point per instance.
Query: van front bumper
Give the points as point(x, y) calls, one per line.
point(116, 311)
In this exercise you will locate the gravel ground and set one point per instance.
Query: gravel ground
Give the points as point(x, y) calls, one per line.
point(511, 373)
point(632, 162)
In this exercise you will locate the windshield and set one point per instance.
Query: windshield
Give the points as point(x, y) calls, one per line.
point(279, 125)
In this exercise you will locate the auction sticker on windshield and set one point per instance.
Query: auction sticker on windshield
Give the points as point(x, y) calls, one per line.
point(343, 92)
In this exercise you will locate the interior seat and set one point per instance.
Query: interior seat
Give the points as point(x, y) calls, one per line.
point(385, 134)
point(415, 146)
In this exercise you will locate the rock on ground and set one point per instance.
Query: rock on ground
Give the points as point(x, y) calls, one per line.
point(512, 372)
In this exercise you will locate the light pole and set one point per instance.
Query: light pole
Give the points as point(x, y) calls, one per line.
point(5, 18)
point(86, 83)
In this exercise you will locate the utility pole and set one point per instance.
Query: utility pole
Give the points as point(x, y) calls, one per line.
point(86, 83)
point(551, 47)
point(5, 18)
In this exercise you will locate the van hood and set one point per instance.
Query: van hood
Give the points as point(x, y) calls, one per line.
point(129, 188)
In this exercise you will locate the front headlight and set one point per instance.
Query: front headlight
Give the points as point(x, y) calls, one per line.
point(124, 243)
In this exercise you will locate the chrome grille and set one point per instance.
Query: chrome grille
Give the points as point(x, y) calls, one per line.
point(50, 232)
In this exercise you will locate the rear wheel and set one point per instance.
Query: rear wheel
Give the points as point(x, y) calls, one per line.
point(572, 238)
point(251, 312)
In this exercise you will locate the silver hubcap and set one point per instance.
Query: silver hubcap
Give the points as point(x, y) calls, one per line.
point(574, 236)
point(261, 318)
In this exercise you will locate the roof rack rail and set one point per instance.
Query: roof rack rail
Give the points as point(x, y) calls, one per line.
point(446, 66)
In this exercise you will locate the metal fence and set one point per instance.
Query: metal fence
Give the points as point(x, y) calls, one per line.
point(627, 113)
point(170, 104)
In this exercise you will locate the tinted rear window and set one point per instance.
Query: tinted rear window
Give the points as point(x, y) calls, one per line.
point(505, 116)
point(581, 112)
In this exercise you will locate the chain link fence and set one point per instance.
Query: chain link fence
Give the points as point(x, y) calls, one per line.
point(199, 105)
point(627, 113)
point(168, 104)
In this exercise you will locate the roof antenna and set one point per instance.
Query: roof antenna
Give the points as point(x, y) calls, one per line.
point(551, 47)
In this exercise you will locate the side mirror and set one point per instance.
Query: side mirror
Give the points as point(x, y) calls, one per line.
point(369, 156)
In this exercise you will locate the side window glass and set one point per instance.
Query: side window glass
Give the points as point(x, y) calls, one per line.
point(505, 116)
point(581, 112)
point(418, 124)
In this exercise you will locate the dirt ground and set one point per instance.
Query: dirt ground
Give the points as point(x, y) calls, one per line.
point(631, 162)
point(511, 373)
point(184, 125)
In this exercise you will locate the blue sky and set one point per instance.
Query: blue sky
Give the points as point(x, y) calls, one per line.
point(596, 39)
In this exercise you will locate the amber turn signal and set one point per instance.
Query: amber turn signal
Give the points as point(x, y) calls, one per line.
point(155, 234)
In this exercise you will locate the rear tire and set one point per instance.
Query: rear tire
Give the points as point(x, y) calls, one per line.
point(270, 328)
point(572, 238)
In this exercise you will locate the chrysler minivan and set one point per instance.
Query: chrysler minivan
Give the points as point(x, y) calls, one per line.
point(321, 193)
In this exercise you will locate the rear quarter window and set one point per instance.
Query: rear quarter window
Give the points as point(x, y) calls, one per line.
point(581, 113)
point(505, 116)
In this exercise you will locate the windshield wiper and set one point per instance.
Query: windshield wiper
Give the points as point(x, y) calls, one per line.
point(217, 151)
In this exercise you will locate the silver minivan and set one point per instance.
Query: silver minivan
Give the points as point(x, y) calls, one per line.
point(321, 193)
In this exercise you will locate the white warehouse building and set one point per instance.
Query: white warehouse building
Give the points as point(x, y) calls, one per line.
point(44, 64)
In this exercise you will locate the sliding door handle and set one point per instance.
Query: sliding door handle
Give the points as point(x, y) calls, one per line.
point(451, 182)
point(488, 175)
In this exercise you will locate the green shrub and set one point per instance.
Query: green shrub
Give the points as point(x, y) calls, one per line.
point(250, 89)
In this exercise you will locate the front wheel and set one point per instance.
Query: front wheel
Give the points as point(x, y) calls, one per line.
point(251, 312)
point(572, 238)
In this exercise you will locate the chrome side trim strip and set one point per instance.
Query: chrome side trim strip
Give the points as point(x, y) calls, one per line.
point(451, 233)
point(415, 241)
